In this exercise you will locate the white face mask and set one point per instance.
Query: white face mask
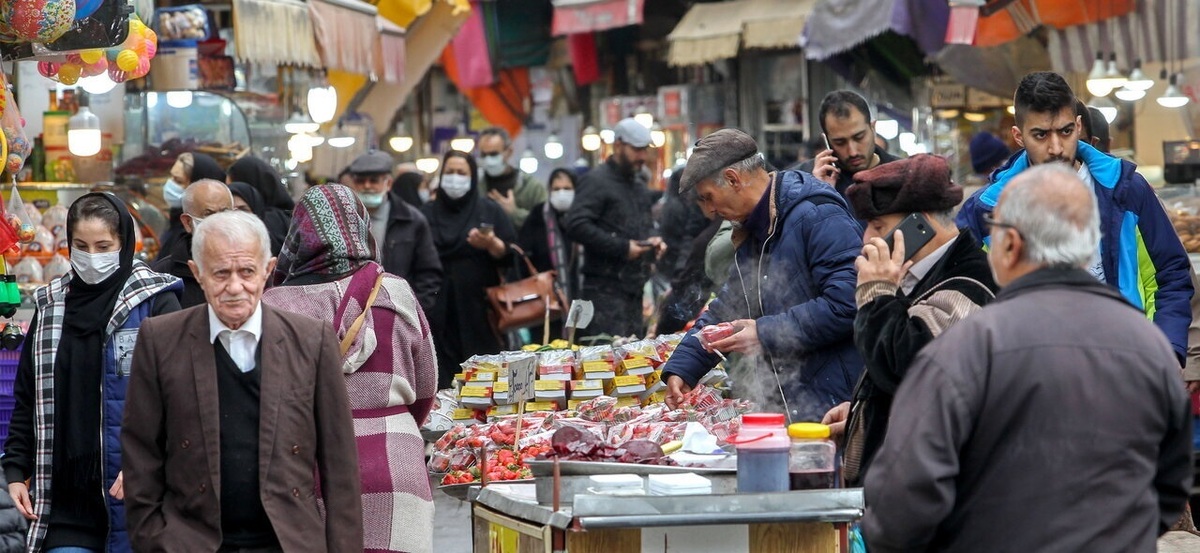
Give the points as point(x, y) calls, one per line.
point(494, 166)
point(173, 193)
point(371, 200)
point(562, 199)
point(93, 268)
point(423, 193)
point(455, 186)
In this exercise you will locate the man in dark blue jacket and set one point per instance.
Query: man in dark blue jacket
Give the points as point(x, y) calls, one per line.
point(791, 289)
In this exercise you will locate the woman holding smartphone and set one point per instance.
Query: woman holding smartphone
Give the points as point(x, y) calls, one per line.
point(472, 235)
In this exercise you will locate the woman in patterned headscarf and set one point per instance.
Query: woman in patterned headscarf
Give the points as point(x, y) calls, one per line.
point(327, 270)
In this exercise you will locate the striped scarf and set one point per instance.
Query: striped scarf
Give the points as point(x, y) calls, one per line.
point(330, 235)
point(50, 303)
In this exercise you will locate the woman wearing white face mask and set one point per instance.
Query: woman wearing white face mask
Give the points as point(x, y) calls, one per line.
point(544, 237)
point(189, 167)
point(472, 236)
point(70, 386)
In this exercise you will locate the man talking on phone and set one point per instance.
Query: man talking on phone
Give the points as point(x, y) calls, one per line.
point(790, 293)
point(917, 276)
point(850, 145)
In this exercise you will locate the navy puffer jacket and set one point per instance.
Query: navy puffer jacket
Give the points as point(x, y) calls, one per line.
point(804, 268)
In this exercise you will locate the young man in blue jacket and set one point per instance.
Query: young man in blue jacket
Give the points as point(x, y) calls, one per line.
point(1140, 254)
point(791, 289)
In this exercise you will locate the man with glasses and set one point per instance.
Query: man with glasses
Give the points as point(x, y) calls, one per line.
point(516, 191)
point(1052, 420)
point(1140, 253)
point(201, 199)
point(905, 298)
point(403, 240)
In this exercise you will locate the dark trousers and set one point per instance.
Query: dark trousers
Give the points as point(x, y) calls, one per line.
point(618, 312)
point(235, 549)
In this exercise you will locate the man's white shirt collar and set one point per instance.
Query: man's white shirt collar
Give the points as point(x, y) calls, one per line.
point(253, 325)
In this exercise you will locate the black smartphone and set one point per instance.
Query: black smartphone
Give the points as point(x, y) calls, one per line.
point(917, 232)
point(486, 228)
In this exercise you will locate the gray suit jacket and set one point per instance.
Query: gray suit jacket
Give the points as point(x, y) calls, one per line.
point(171, 437)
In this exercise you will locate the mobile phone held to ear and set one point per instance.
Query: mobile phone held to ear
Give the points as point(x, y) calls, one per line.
point(917, 232)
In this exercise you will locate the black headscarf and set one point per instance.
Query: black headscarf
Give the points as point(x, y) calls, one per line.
point(451, 219)
point(78, 370)
point(406, 186)
point(205, 167)
point(259, 174)
point(249, 195)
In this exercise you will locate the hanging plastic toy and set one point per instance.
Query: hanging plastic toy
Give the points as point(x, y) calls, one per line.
point(38, 20)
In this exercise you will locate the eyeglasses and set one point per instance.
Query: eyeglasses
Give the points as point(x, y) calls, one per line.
point(990, 220)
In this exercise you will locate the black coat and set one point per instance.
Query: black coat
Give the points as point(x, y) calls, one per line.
point(459, 319)
point(12, 526)
point(175, 262)
point(408, 251)
point(891, 327)
point(610, 210)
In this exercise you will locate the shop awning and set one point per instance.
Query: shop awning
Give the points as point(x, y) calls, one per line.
point(391, 51)
point(1141, 34)
point(707, 33)
point(588, 16)
point(290, 40)
point(775, 23)
point(834, 27)
point(346, 32)
point(426, 38)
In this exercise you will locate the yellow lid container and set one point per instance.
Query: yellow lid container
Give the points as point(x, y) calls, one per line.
point(808, 431)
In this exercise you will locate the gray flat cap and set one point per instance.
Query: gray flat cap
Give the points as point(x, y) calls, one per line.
point(715, 152)
point(372, 163)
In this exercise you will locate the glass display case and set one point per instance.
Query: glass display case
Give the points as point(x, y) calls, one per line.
point(161, 125)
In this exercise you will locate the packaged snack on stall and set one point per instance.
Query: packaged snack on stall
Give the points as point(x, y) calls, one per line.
point(551, 390)
point(667, 343)
point(557, 364)
point(35, 215)
point(500, 395)
point(714, 377)
point(637, 358)
point(18, 218)
point(62, 245)
point(499, 410)
point(475, 396)
point(540, 406)
point(628, 408)
point(596, 362)
point(19, 145)
point(598, 410)
point(586, 389)
point(41, 247)
point(625, 386)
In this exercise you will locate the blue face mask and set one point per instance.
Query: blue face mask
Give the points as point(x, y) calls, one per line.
point(173, 193)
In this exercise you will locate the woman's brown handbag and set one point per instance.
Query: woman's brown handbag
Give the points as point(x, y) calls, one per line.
point(523, 303)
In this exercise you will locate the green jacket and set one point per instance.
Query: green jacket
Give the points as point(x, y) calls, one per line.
point(528, 193)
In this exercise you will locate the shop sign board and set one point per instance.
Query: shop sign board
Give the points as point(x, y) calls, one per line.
point(588, 16)
point(979, 99)
point(673, 104)
point(521, 373)
point(947, 95)
point(616, 108)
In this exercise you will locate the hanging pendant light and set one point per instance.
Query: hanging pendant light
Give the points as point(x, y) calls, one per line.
point(1106, 107)
point(1097, 81)
point(322, 103)
point(464, 142)
point(529, 163)
point(1137, 79)
point(83, 134)
point(1127, 94)
point(1112, 75)
point(1172, 98)
point(590, 139)
point(553, 148)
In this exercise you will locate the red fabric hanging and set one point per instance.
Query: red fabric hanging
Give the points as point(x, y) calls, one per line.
point(584, 60)
point(503, 103)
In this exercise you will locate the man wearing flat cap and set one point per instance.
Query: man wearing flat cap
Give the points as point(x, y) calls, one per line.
point(905, 298)
point(790, 293)
point(611, 219)
point(402, 236)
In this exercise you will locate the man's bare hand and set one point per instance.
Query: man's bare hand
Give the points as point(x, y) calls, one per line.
point(506, 201)
point(825, 167)
point(744, 341)
point(676, 389)
point(836, 418)
point(877, 262)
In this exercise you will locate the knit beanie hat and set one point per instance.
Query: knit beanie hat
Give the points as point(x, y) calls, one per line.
point(987, 151)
